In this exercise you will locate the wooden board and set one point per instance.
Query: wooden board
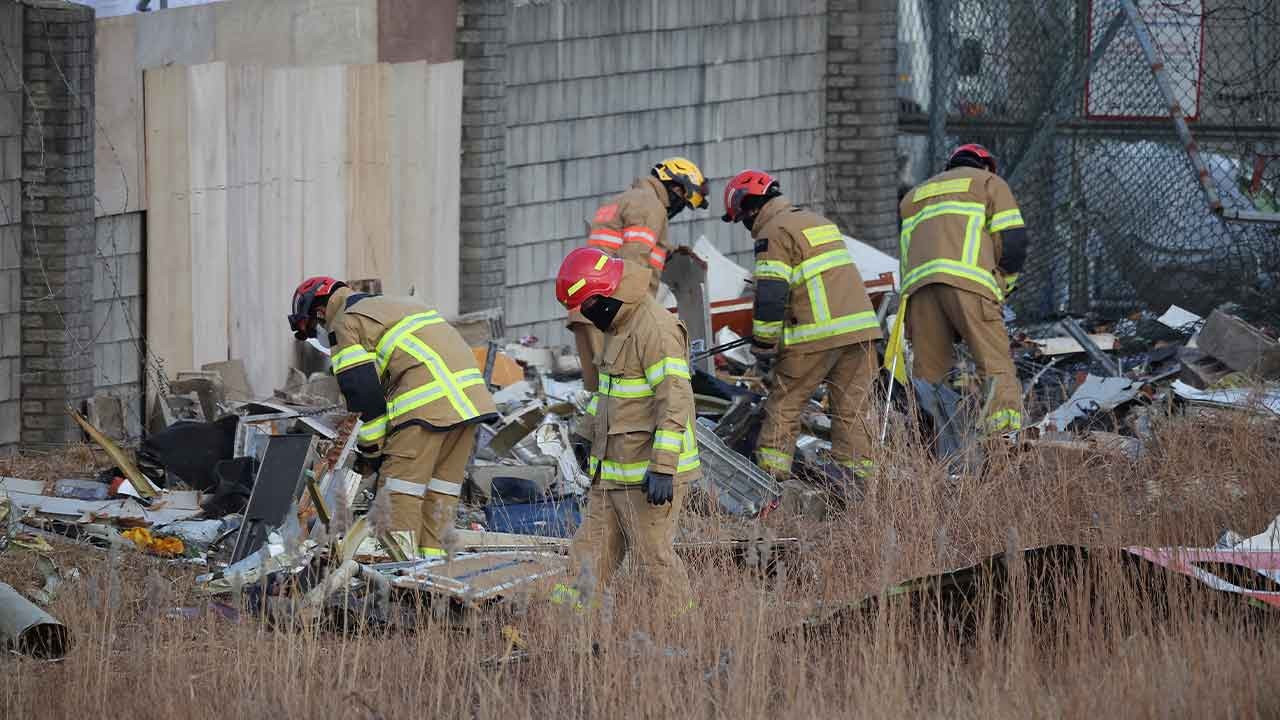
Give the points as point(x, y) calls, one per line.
point(169, 298)
point(322, 100)
point(249, 305)
point(369, 176)
point(207, 152)
point(118, 128)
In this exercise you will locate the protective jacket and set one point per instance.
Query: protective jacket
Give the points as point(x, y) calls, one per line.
point(399, 363)
point(633, 226)
point(643, 412)
point(809, 293)
point(954, 228)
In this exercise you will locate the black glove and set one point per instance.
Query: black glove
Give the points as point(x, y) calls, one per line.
point(368, 460)
point(659, 487)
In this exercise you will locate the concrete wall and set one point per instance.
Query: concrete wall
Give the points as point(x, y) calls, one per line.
point(597, 92)
point(11, 103)
point(118, 317)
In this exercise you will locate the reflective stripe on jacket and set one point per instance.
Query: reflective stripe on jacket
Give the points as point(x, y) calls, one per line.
point(827, 304)
point(633, 226)
point(644, 410)
point(951, 227)
point(427, 371)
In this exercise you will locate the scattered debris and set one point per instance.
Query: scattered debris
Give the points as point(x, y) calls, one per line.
point(28, 630)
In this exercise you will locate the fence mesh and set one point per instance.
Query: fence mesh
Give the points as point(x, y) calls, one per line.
point(1064, 95)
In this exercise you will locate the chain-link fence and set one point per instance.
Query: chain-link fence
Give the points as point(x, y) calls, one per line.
point(1064, 92)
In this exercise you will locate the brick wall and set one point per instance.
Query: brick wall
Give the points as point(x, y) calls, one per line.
point(10, 220)
point(57, 224)
point(117, 314)
point(862, 119)
point(482, 48)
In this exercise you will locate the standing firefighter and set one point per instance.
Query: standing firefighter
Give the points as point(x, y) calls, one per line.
point(414, 381)
point(963, 243)
point(633, 226)
point(813, 317)
point(643, 452)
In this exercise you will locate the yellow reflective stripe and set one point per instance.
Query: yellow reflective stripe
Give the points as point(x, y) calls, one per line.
point(407, 326)
point(766, 330)
point(425, 355)
point(577, 286)
point(818, 300)
point(594, 405)
point(857, 322)
point(431, 552)
point(625, 473)
point(1006, 220)
point(971, 210)
point(659, 371)
point(946, 187)
point(818, 264)
point(771, 459)
point(972, 241)
point(688, 459)
point(624, 387)
point(349, 357)
point(774, 269)
point(822, 234)
point(373, 430)
point(956, 268)
point(415, 398)
point(669, 440)
point(1005, 421)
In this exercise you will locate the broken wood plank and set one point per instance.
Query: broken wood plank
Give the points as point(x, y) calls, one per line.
point(118, 456)
point(1051, 347)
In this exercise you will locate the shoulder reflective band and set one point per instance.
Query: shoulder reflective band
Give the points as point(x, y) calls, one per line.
point(404, 487)
point(659, 371)
point(620, 387)
point(407, 326)
point(771, 459)
point(946, 187)
point(349, 357)
point(822, 234)
point(775, 269)
point(816, 265)
point(372, 431)
point(812, 332)
point(640, 234)
point(444, 487)
point(1006, 220)
point(605, 238)
point(766, 330)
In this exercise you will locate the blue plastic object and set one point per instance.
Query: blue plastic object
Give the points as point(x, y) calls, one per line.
point(550, 518)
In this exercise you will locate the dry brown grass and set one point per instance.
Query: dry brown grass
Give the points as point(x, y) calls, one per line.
point(725, 660)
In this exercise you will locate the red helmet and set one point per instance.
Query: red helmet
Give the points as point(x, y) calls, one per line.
point(586, 272)
point(748, 183)
point(975, 151)
point(309, 293)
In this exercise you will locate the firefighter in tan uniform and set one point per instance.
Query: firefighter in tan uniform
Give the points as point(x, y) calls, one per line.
point(643, 451)
point(812, 322)
point(963, 243)
point(414, 381)
point(633, 226)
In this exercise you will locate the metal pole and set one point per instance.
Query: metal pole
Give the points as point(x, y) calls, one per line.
point(940, 59)
point(1175, 108)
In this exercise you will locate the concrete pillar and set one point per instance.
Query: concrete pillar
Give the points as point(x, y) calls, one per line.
point(57, 218)
point(482, 38)
point(11, 103)
point(862, 119)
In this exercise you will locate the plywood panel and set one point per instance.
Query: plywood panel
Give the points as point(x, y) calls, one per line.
point(250, 316)
point(426, 142)
point(254, 32)
point(207, 143)
point(412, 30)
point(168, 219)
point(118, 130)
point(176, 37)
point(369, 171)
point(336, 32)
point(322, 101)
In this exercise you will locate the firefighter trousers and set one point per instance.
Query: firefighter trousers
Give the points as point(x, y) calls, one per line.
point(849, 372)
point(939, 315)
point(622, 520)
point(423, 470)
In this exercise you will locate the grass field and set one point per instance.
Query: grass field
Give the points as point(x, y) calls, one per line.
point(727, 659)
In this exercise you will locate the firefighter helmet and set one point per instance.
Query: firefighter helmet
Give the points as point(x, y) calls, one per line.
point(311, 292)
point(972, 155)
point(586, 272)
point(684, 173)
point(746, 184)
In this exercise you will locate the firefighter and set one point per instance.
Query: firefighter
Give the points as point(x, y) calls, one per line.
point(643, 451)
point(414, 381)
point(812, 322)
point(963, 244)
point(633, 226)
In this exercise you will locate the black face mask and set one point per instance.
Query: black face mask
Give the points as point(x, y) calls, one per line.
point(749, 220)
point(602, 312)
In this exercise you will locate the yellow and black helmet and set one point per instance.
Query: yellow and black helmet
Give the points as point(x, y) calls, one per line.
point(684, 173)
